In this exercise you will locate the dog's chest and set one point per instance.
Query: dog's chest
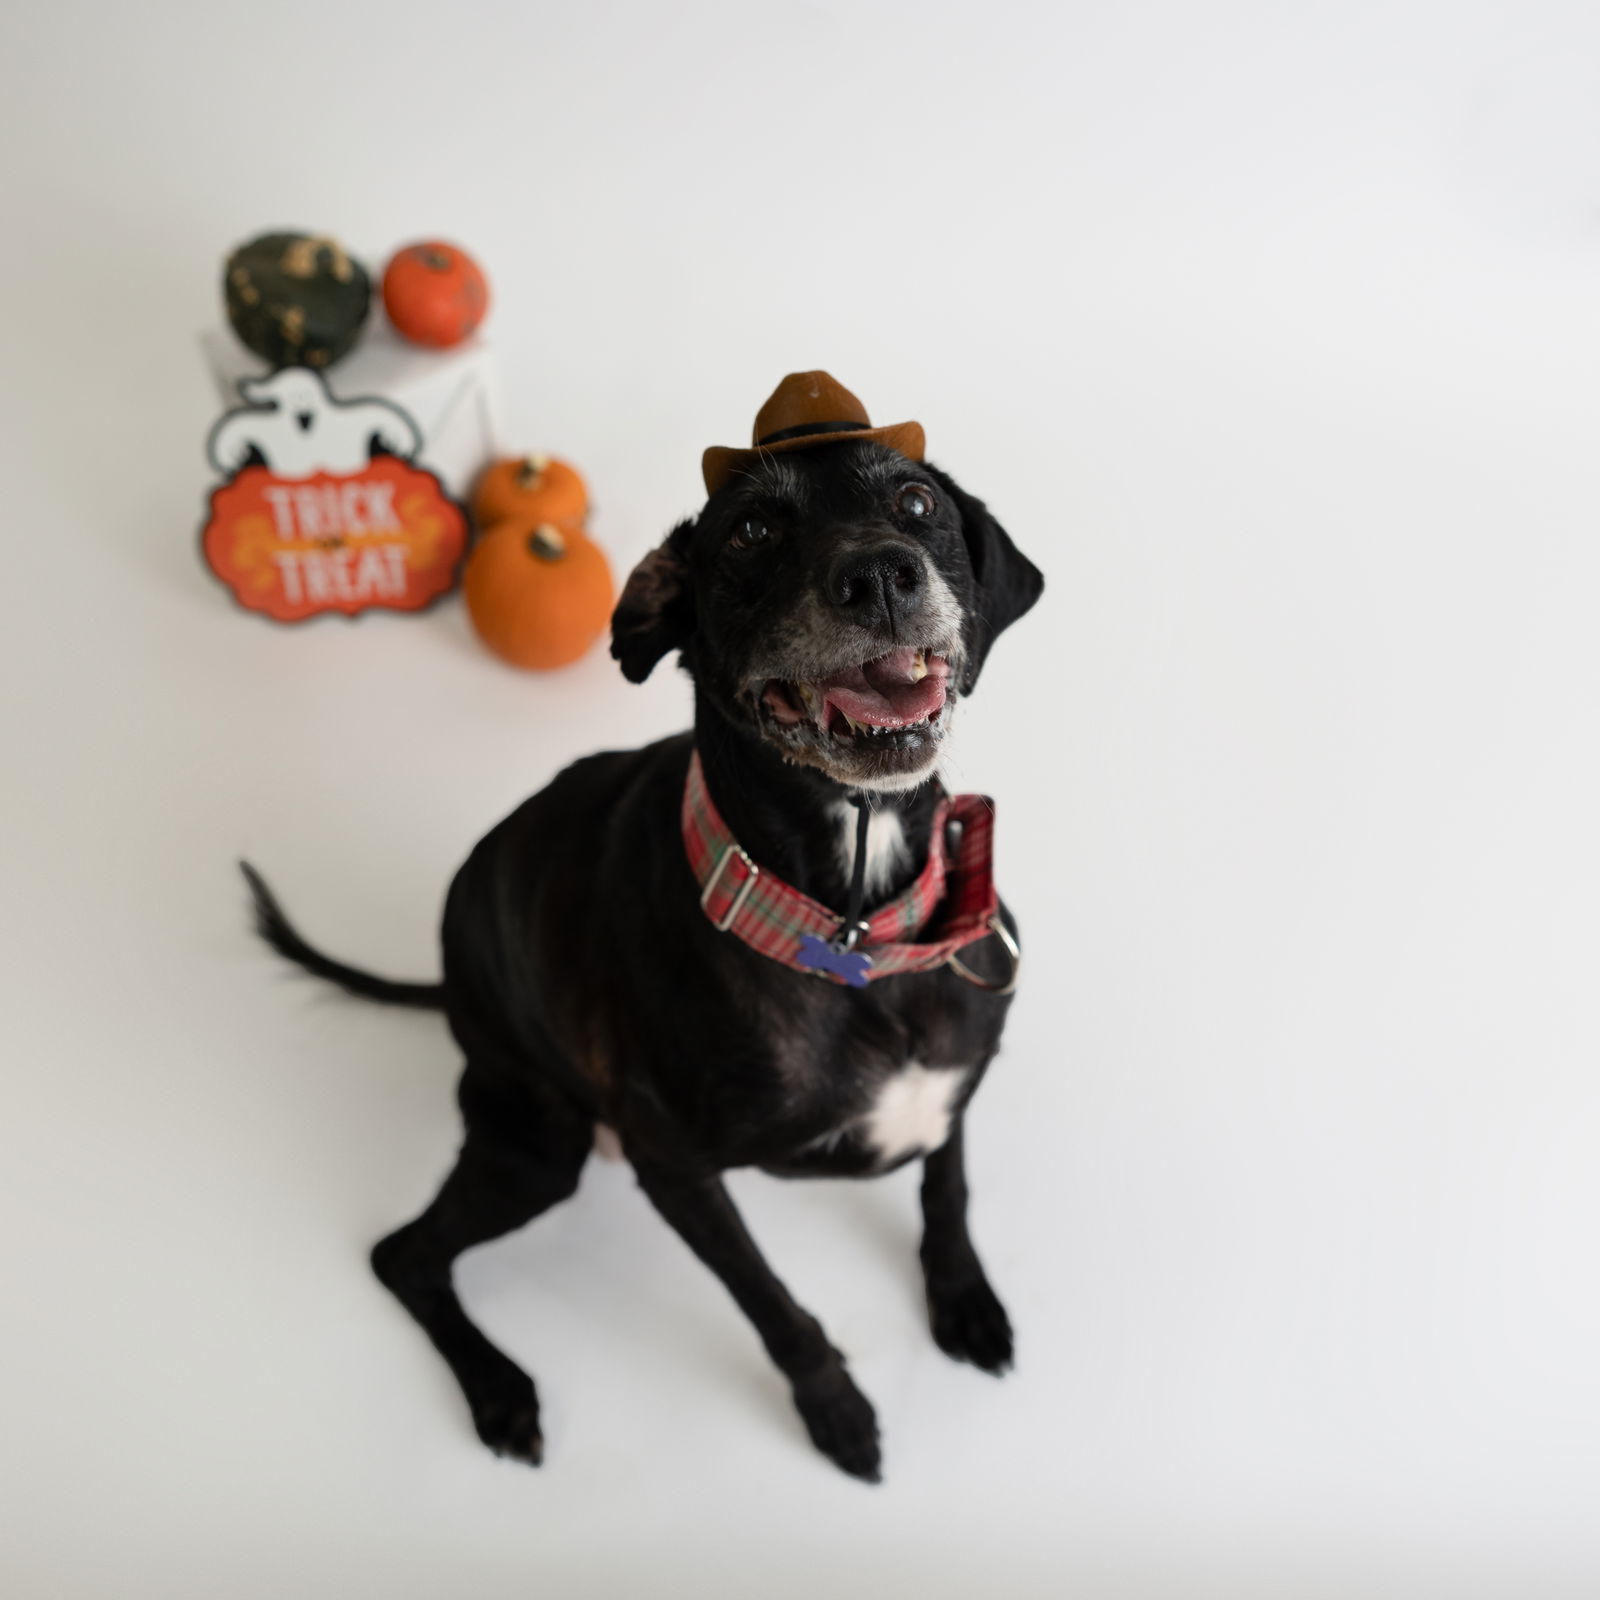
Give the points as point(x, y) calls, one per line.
point(862, 1082)
point(868, 1099)
point(909, 1111)
point(885, 1120)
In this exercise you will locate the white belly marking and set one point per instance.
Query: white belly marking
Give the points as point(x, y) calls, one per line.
point(912, 1111)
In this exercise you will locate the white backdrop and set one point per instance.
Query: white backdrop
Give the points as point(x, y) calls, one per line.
point(1273, 333)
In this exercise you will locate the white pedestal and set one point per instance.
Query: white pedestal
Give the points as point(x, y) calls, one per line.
point(453, 396)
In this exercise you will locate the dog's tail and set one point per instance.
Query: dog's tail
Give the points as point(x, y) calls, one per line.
point(281, 934)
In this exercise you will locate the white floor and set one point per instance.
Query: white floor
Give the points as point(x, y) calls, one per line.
point(1273, 334)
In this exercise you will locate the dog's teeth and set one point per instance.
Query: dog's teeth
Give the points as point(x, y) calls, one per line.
point(919, 666)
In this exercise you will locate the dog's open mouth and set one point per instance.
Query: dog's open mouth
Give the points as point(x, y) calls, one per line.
point(896, 698)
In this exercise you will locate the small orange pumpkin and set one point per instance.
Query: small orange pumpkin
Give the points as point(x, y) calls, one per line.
point(539, 595)
point(539, 488)
point(435, 293)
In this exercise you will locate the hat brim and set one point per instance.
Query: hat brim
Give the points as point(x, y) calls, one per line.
point(721, 462)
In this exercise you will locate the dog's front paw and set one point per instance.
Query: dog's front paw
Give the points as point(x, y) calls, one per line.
point(505, 1411)
point(970, 1324)
point(840, 1420)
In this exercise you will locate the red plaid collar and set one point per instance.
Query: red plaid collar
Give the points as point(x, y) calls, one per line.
point(951, 904)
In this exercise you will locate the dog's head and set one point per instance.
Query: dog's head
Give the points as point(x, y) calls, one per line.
point(836, 603)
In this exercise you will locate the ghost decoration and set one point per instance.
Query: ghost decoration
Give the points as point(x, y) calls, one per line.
point(295, 427)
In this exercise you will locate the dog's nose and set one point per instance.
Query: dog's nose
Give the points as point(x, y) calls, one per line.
point(878, 585)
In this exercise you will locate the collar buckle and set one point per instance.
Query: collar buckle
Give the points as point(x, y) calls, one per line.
point(740, 895)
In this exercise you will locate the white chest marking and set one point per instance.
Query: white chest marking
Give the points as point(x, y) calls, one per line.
point(886, 845)
point(912, 1111)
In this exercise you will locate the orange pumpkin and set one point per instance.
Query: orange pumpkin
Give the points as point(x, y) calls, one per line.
point(435, 294)
point(534, 488)
point(539, 595)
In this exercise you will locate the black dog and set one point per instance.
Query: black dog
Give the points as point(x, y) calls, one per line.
point(832, 605)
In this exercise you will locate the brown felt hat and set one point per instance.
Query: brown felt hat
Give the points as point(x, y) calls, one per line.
point(805, 410)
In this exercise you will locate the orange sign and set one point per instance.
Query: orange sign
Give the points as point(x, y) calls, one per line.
point(385, 536)
point(323, 507)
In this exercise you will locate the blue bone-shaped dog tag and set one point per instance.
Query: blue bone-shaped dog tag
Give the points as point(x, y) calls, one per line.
point(820, 956)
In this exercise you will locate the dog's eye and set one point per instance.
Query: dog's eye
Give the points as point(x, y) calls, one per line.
point(752, 531)
point(916, 502)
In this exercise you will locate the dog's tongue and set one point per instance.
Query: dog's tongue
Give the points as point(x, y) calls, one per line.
point(891, 692)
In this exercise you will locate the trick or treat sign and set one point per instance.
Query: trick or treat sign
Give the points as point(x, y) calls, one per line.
point(322, 506)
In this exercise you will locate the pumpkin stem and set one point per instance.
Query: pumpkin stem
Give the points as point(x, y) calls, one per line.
point(532, 467)
point(547, 542)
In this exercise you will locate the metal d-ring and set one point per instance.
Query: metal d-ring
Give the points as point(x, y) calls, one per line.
point(1013, 949)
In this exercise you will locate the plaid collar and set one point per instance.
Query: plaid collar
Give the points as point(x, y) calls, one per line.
point(956, 897)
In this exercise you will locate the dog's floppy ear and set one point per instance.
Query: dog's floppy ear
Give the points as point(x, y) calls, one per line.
point(656, 611)
point(1008, 583)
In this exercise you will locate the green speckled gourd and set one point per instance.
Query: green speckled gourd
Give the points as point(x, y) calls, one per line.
point(296, 299)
